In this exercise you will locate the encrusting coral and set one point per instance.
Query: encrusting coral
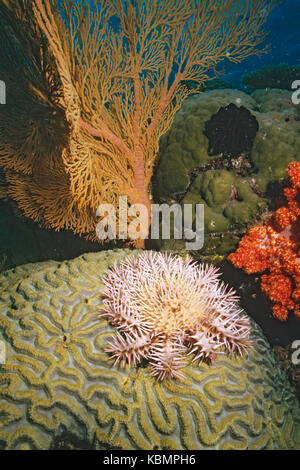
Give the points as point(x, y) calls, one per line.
point(58, 378)
point(164, 306)
point(89, 100)
point(275, 247)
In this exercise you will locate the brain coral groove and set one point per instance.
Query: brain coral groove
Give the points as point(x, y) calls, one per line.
point(57, 376)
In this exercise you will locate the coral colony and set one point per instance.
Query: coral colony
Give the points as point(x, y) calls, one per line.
point(163, 306)
point(97, 98)
point(275, 247)
point(235, 403)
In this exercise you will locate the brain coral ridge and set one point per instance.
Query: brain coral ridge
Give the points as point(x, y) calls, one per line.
point(57, 376)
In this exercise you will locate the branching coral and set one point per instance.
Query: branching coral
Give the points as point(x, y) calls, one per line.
point(92, 98)
point(275, 247)
point(162, 303)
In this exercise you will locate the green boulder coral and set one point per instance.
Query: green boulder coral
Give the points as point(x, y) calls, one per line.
point(229, 197)
point(278, 141)
point(57, 376)
point(229, 203)
point(276, 76)
point(184, 151)
point(185, 146)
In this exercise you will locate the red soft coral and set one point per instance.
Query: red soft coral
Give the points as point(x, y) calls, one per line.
point(275, 248)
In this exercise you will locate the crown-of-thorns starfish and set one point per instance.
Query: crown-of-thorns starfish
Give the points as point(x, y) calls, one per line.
point(164, 306)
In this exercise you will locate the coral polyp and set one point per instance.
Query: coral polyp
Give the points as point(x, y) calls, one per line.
point(165, 308)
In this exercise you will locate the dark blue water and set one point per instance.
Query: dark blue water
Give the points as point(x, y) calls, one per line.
point(283, 26)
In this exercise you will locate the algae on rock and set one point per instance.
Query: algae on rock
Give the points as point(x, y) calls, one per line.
point(57, 376)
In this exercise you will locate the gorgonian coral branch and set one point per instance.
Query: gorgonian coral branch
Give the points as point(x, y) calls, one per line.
point(94, 86)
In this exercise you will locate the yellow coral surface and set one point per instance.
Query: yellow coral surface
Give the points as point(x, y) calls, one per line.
point(57, 376)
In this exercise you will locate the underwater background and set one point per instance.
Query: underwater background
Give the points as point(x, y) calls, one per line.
point(244, 176)
point(283, 24)
point(23, 241)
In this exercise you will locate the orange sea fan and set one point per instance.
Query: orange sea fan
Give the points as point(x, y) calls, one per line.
point(275, 248)
point(47, 198)
point(89, 102)
point(25, 138)
point(3, 187)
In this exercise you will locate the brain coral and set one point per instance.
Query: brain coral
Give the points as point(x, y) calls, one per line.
point(57, 376)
